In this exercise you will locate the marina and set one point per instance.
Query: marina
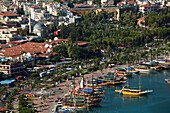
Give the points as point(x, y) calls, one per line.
point(156, 102)
point(119, 93)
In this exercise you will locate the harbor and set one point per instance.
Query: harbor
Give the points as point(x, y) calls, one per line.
point(156, 102)
point(120, 92)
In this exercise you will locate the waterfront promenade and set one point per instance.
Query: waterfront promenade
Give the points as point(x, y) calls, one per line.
point(50, 102)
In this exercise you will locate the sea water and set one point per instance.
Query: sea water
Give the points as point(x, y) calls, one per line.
point(156, 102)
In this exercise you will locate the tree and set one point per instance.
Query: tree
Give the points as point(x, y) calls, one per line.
point(38, 62)
point(33, 75)
point(78, 52)
point(10, 106)
point(61, 49)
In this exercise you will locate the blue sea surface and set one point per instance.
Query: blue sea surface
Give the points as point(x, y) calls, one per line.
point(156, 102)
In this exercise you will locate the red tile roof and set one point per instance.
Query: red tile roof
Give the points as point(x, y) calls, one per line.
point(132, 2)
point(72, 10)
point(29, 47)
point(139, 20)
point(148, 5)
point(121, 3)
point(7, 13)
point(85, 5)
point(36, 7)
point(143, 18)
point(82, 43)
point(3, 27)
point(33, 48)
point(3, 109)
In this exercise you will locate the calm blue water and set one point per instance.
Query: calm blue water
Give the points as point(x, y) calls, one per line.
point(156, 102)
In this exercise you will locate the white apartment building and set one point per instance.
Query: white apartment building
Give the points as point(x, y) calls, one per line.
point(33, 10)
point(145, 9)
point(8, 34)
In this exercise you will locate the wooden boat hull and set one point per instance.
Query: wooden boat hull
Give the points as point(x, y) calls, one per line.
point(143, 70)
point(70, 107)
point(168, 81)
point(130, 93)
point(117, 83)
point(132, 71)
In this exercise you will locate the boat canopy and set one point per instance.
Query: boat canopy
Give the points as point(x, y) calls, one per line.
point(99, 75)
point(109, 76)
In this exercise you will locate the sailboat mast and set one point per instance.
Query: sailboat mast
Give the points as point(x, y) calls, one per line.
point(92, 85)
point(127, 83)
point(83, 80)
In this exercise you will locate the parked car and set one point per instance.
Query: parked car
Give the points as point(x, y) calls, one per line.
point(50, 71)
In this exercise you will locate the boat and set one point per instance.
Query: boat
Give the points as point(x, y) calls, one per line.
point(168, 80)
point(131, 70)
point(142, 69)
point(133, 90)
point(74, 106)
point(120, 73)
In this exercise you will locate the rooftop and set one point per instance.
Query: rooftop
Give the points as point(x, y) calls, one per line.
point(121, 3)
point(35, 48)
point(148, 5)
point(29, 47)
point(3, 109)
point(7, 13)
point(132, 2)
point(35, 7)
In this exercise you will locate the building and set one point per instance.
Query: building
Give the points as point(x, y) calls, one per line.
point(141, 22)
point(83, 6)
point(127, 4)
point(105, 3)
point(33, 10)
point(26, 51)
point(168, 4)
point(39, 29)
point(68, 20)
point(10, 24)
point(8, 34)
point(90, 2)
point(11, 68)
point(8, 15)
point(42, 15)
point(145, 9)
point(40, 2)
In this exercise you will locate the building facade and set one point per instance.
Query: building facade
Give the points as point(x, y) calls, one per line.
point(145, 9)
point(11, 68)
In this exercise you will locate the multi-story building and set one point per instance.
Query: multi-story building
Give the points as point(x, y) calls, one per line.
point(33, 10)
point(41, 15)
point(105, 3)
point(40, 2)
point(145, 9)
point(11, 68)
point(8, 34)
point(7, 14)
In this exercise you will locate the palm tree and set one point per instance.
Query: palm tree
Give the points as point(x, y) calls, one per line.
point(19, 86)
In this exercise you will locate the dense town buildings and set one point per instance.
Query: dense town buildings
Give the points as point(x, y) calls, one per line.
point(30, 32)
point(39, 16)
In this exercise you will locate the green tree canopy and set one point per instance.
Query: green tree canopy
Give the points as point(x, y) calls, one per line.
point(61, 49)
